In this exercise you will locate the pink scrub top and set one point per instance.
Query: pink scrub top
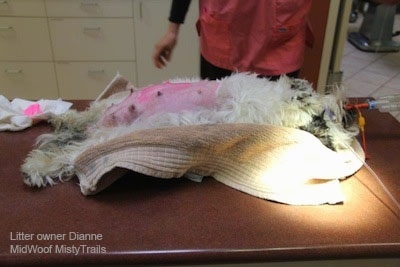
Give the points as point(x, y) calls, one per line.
point(267, 37)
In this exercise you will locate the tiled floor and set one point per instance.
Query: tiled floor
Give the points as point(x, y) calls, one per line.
point(368, 74)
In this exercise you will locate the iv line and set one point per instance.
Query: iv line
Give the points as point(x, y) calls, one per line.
point(381, 184)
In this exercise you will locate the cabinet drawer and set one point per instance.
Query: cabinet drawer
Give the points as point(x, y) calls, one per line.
point(24, 39)
point(86, 80)
point(92, 8)
point(33, 8)
point(28, 80)
point(92, 39)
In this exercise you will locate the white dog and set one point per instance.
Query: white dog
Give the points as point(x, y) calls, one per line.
point(240, 98)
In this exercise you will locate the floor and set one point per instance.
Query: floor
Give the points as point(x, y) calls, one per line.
point(368, 74)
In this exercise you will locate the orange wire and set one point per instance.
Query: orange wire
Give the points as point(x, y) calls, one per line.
point(357, 106)
point(361, 124)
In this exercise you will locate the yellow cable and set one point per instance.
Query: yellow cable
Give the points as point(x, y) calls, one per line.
point(361, 124)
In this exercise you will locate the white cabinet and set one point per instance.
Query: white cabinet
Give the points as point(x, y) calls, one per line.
point(92, 41)
point(26, 61)
point(73, 48)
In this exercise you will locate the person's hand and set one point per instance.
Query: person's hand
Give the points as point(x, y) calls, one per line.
point(163, 49)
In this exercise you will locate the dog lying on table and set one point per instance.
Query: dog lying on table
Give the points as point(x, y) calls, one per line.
point(277, 140)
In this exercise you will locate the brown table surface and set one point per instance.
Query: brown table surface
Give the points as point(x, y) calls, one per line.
point(146, 220)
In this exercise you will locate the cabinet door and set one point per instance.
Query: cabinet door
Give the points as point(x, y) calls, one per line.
point(29, 80)
point(92, 39)
point(89, 8)
point(24, 39)
point(34, 8)
point(151, 22)
point(86, 80)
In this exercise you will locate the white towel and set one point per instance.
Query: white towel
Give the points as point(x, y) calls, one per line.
point(20, 114)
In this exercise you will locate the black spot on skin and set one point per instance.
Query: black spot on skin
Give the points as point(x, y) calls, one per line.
point(159, 93)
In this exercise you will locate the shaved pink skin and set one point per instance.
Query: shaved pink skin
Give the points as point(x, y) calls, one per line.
point(161, 98)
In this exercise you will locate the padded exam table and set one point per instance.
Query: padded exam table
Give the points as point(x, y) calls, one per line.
point(146, 220)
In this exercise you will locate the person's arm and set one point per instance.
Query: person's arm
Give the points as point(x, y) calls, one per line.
point(163, 48)
point(386, 2)
point(178, 11)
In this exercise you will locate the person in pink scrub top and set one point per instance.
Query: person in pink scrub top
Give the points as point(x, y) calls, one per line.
point(267, 37)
